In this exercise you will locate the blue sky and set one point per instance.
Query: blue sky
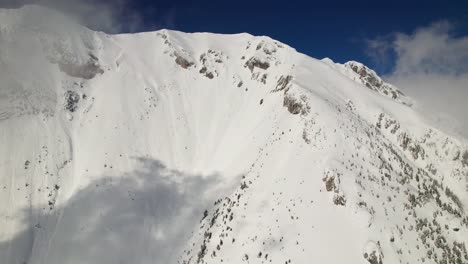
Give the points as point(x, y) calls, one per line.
point(335, 29)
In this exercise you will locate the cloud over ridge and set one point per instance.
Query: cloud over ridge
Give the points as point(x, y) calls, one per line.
point(431, 65)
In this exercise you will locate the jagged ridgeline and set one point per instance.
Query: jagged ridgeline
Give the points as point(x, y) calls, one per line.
point(170, 147)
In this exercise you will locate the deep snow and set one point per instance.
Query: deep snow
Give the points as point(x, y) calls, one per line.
point(166, 147)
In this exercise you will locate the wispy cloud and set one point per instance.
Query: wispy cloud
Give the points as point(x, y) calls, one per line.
point(431, 65)
point(379, 50)
point(110, 16)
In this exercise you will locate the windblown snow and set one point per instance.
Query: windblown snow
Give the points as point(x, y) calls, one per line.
point(169, 147)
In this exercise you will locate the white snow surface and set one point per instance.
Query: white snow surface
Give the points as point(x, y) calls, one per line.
point(170, 147)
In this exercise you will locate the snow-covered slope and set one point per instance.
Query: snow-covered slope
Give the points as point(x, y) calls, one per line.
point(168, 147)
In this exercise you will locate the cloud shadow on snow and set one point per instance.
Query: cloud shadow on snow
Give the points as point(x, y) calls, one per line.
point(145, 216)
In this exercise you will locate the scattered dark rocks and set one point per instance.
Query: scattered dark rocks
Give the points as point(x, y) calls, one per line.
point(339, 200)
point(71, 100)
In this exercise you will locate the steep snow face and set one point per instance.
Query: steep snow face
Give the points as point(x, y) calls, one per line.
point(168, 147)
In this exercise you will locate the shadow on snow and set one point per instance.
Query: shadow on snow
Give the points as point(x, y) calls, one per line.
point(144, 216)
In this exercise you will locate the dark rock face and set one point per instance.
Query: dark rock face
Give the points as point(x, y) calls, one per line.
point(209, 75)
point(339, 200)
point(329, 183)
point(464, 159)
point(295, 106)
point(184, 63)
point(373, 258)
point(256, 62)
point(283, 83)
point(71, 101)
point(372, 81)
point(204, 71)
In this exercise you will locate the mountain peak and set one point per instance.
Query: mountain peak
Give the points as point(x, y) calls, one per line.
point(371, 80)
point(172, 147)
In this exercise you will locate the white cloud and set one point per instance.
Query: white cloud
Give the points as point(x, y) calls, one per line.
point(431, 50)
point(431, 65)
point(379, 50)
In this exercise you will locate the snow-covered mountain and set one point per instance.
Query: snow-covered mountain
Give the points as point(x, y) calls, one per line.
point(169, 147)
